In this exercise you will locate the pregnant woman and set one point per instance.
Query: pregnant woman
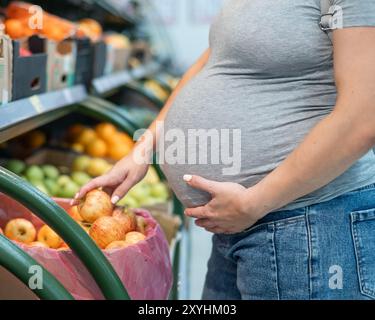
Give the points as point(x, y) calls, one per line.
point(297, 220)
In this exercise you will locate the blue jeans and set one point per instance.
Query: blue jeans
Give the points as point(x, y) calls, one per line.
point(324, 251)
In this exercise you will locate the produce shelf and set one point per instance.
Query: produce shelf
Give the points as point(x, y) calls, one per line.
point(21, 116)
point(76, 238)
point(13, 259)
point(117, 80)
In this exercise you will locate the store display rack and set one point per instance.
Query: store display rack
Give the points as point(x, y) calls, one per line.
point(21, 116)
point(24, 115)
point(107, 83)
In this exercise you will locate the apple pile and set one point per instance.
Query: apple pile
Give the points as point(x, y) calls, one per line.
point(109, 226)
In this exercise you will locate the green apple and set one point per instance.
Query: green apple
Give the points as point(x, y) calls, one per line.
point(34, 173)
point(16, 166)
point(52, 186)
point(129, 201)
point(140, 192)
point(81, 163)
point(160, 191)
point(63, 180)
point(81, 178)
point(152, 176)
point(148, 202)
point(42, 188)
point(69, 190)
point(50, 171)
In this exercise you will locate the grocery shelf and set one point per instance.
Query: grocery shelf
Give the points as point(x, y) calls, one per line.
point(148, 94)
point(76, 238)
point(105, 111)
point(21, 116)
point(117, 80)
point(112, 8)
point(17, 262)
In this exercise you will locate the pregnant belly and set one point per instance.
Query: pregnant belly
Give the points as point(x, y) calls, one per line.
point(230, 131)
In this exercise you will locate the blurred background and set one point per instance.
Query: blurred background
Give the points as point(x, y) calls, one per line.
point(74, 92)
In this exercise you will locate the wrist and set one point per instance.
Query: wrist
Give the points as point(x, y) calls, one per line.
point(256, 202)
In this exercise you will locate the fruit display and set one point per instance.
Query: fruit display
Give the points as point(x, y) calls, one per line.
point(156, 89)
point(97, 204)
point(105, 141)
point(19, 15)
point(20, 230)
point(109, 226)
point(49, 179)
point(149, 192)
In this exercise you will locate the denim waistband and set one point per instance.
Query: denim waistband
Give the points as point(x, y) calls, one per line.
point(285, 214)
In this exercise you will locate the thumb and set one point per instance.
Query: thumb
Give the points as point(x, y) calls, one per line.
point(200, 183)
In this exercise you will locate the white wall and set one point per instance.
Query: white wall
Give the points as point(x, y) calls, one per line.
point(187, 23)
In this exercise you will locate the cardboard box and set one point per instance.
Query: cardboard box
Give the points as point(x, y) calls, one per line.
point(6, 68)
point(29, 72)
point(117, 59)
point(100, 56)
point(61, 64)
point(84, 62)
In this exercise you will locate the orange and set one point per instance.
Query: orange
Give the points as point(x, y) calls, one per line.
point(96, 148)
point(117, 151)
point(123, 138)
point(15, 28)
point(86, 136)
point(36, 139)
point(78, 147)
point(74, 131)
point(106, 131)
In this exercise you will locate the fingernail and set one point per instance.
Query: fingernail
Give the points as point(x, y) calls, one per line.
point(76, 196)
point(188, 177)
point(115, 199)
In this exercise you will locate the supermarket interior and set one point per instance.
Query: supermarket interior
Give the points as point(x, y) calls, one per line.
point(80, 78)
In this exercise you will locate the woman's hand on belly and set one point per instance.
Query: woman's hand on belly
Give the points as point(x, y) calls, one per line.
point(228, 212)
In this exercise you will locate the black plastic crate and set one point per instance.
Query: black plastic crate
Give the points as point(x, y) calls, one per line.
point(29, 72)
point(85, 62)
point(100, 57)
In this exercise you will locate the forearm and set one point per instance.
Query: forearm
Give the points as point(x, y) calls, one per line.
point(328, 151)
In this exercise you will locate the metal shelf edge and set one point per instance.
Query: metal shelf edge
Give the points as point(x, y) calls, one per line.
point(22, 110)
point(111, 82)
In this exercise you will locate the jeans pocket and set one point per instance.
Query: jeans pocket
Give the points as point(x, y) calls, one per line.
point(363, 233)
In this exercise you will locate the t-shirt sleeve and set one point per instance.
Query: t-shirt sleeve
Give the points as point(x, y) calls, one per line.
point(354, 13)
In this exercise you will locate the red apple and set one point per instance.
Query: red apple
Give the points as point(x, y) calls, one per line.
point(134, 237)
point(141, 224)
point(63, 247)
point(126, 218)
point(96, 204)
point(49, 237)
point(20, 230)
point(74, 213)
point(117, 245)
point(106, 230)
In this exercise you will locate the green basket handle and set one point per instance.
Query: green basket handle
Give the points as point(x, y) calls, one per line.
point(77, 239)
point(16, 261)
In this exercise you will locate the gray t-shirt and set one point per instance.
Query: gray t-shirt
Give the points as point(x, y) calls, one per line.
point(270, 75)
